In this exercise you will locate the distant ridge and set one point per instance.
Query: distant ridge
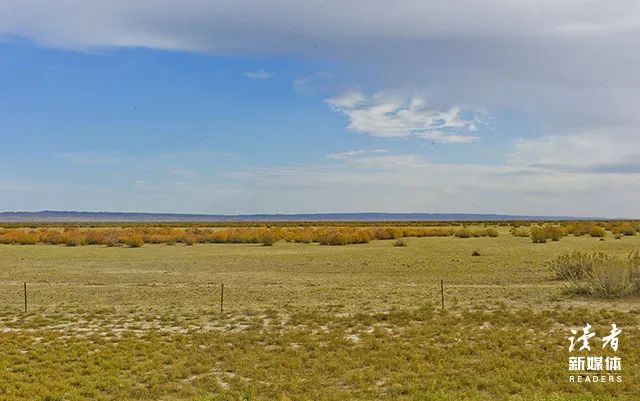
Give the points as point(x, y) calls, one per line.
point(70, 216)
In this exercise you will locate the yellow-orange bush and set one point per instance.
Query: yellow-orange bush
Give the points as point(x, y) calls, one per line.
point(19, 237)
point(133, 236)
point(548, 232)
point(478, 232)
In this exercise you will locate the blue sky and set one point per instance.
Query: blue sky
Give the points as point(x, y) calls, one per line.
point(127, 111)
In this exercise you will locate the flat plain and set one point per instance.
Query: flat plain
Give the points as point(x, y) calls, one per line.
point(304, 321)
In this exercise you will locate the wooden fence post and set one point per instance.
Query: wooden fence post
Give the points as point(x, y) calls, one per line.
point(25, 297)
point(222, 298)
point(442, 291)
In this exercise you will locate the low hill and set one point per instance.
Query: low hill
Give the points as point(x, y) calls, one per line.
point(71, 216)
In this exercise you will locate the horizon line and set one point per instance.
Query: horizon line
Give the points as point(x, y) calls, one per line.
point(88, 216)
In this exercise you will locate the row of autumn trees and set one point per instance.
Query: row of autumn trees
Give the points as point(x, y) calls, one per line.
point(137, 236)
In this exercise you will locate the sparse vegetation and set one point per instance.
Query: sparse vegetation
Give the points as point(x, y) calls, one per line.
point(303, 321)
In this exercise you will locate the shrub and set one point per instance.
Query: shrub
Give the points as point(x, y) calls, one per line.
point(463, 233)
point(111, 241)
point(519, 232)
point(237, 237)
point(427, 232)
point(580, 229)
point(385, 233)
point(300, 236)
point(110, 238)
point(333, 238)
point(156, 238)
point(52, 237)
point(400, 242)
point(132, 241)
point(74, 241)
point(598, 274)
point(538, 235)
point(20, 237)
point(268, 238)
point(29, 238)
point(628, 229)
point(343, 237)
point(92, 237)
point(574, 265)
point(554, 232)
point(610, 279)
point(217, 237)
point(597, 232)
point(188, 240)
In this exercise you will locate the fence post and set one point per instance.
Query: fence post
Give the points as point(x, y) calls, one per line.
point(442, 291)
point(222, 298)
point(25, 297)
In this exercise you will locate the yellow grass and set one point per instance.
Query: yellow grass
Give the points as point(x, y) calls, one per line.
point(303, 321)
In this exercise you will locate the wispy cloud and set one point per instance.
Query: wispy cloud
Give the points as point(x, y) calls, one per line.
point(260, 74)
point(299, 82)
point(389, 116)
point(607, 150)
point(354, 153)
point(345, 155)
point(183, 172)
point(210, 25)
point(301, 85)
point(410, 182)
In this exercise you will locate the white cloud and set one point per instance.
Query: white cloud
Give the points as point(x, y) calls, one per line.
point(566, 63)
point(347, 154)
point(288, 24)
point(410, 183)
point(388, 162)
point(561, 65)
point(348, 100)
point(260, 74)
point(388, 116)
point(614, 149)
point(444, 137)
point(350, 154)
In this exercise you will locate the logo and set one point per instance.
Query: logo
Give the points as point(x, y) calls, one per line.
point(600, 365)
